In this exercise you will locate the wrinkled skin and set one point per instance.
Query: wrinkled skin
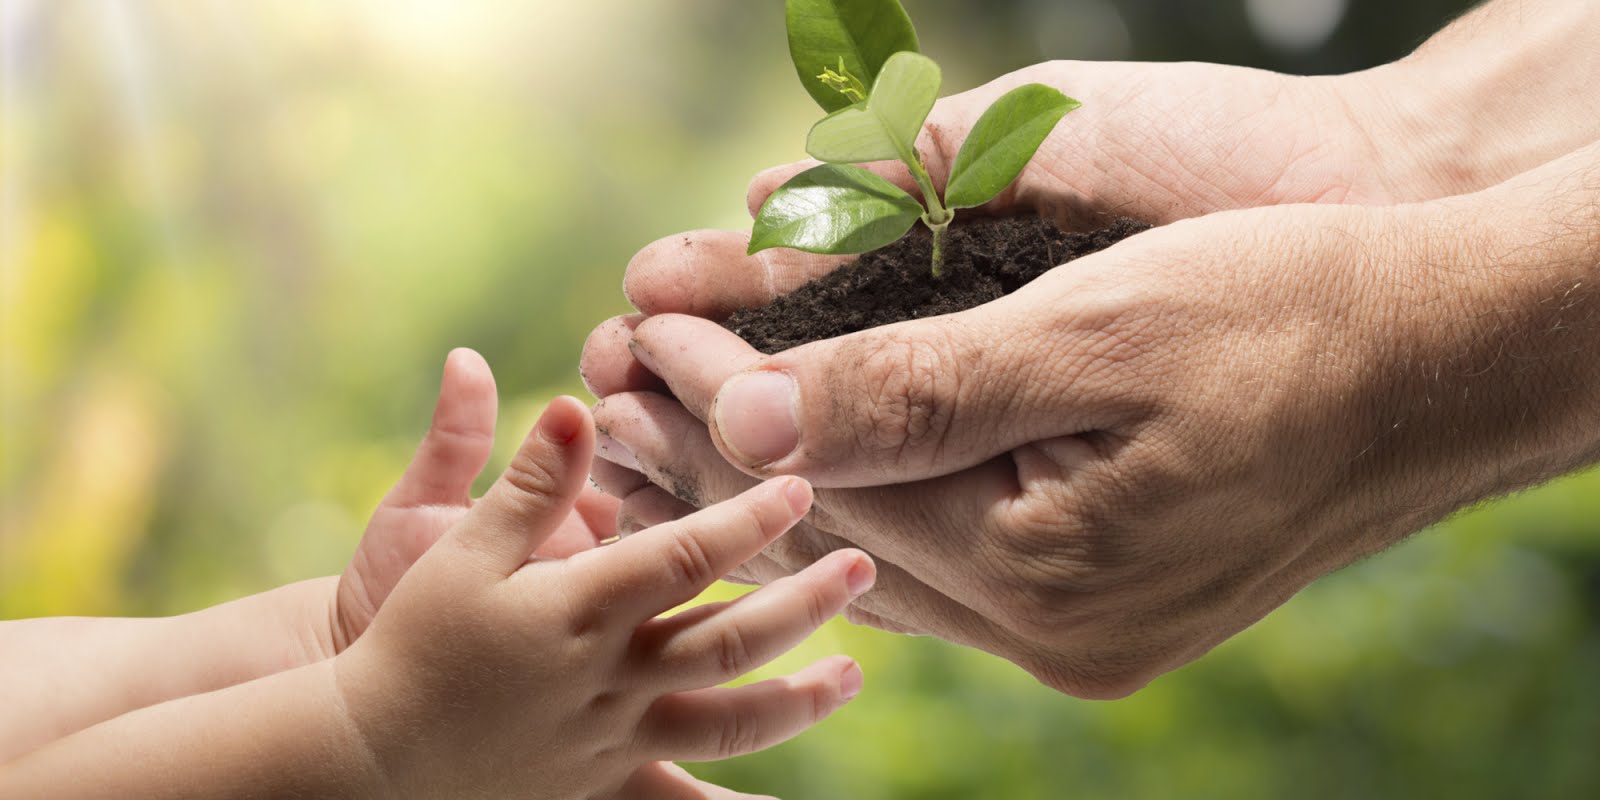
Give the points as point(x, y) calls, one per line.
point(1109, 472)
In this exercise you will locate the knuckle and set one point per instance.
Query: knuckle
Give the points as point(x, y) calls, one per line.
point(761, 519)
point(822, 703)
point(819, 607)
point(1088, 683)
point(795, 552)
point(910, 392)
point(740, 733)
point(1090, 674)
point(687, 560)
point(531, 477)
point(1041, 613)
point(732, 650)
point(1048, 549)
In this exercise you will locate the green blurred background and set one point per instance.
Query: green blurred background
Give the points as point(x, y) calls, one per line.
point(239, 239)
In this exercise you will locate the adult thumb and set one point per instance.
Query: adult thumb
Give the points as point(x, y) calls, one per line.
point(904, 402)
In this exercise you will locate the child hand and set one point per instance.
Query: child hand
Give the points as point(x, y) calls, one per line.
point(435, 493)
point(487, 674)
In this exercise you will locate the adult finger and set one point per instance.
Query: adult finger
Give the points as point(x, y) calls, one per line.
point(709, 274)
point(661, 780)
point(649, 507)
point(900, 601)
point(720, 723)
point(614, 479)
point(692, 373)
point(458, 443)
point(893, 404)
point(670, 448)
point(919, 574)
point(606, 365)
point(665, 566)
point(743, 635)
point(537, 491)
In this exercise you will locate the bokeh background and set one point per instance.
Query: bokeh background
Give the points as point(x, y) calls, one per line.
point(239, 238)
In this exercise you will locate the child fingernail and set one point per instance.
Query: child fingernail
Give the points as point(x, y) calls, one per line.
point(850, 682)
point(562, 421)
point(798, 493)
point(860, 577)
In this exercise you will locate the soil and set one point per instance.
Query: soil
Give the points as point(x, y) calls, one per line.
point(984, 260)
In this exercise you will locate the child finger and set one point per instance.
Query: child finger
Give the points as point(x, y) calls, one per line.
point(593, 521)
point(719, 723)
point(459, 441)
point(663, 780)
point(537, 491)
point(758, 628)
point(665, 566)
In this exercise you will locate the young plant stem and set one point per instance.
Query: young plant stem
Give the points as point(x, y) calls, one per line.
point(938, 246)
point(937, 217)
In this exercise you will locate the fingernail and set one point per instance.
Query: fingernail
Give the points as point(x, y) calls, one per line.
point(561, 421)
point(861, 576)
point(798, 493)
point(850, 682)
point(614, 451)
point(628, 526)
point(755, 414)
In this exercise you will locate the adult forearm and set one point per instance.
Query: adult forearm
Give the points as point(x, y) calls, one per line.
point(1540, 255)
point(65, 674)
point(1504, 89)
point(281, 736)
point(1494, 358)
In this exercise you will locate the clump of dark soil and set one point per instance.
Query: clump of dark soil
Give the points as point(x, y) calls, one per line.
point(983, 260)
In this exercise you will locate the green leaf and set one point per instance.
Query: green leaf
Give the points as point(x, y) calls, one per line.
point(836, 210)
point(1003, 142)
point(886, 125)
point(860, 35)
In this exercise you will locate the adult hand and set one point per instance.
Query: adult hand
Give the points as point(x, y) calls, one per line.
point(1107, 473)
point(1159, 142)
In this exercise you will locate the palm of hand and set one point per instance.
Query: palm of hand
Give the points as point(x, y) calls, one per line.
point(398, 535)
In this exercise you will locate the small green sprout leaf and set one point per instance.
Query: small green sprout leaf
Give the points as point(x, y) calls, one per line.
point(835, 210)
point(1003, 141)
point(840, 47)
point(885, 126)
point(851, 38)
point(844, 83)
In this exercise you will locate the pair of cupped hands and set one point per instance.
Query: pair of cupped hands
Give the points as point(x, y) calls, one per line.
point(1109, 472)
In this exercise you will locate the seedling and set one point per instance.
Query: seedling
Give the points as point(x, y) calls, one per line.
point(859, 59)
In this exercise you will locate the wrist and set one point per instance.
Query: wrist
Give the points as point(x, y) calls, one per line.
point(1498, 93)
point(1499, 328)
point(263, 634)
